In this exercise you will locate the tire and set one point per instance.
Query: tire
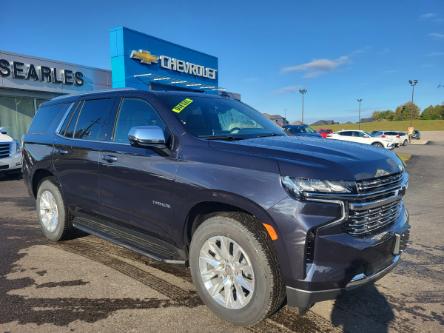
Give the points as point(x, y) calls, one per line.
point(377, 144)
point(268, 292)
point(60, 227)
point(405, 143)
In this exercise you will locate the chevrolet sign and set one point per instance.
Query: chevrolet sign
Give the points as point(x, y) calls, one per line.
point(174, 64)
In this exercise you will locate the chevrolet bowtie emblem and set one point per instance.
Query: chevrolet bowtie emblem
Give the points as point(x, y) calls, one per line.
point(145, 57)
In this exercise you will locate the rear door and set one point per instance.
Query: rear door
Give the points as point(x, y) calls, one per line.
point(361, 137)
point(78, 149)
point(345, 135)
point(136, 183)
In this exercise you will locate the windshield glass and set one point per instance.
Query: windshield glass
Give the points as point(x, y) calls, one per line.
point(207, 117)
point(308, 129)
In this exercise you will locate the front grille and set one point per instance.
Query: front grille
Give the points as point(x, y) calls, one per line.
point(379, 184)
point(5, 148)
point(366, 221)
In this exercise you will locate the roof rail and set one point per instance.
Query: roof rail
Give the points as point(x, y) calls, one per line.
point(92, 92)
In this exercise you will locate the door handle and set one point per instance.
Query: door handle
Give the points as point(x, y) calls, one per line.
point(62, 151)
point(109, 158)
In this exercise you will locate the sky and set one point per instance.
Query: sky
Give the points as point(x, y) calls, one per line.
point(338, 50)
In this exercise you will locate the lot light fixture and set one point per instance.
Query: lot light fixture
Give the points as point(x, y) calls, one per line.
point(413, 84)
point(302, 91)
point(359, 111)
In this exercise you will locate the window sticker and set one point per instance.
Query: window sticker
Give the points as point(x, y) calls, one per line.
point(182, 105)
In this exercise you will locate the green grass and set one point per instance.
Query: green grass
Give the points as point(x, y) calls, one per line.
point(422, 125)
point(404, 157)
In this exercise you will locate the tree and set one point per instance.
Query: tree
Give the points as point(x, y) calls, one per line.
point(433, 112)
point(383, 115)
point(406, 111)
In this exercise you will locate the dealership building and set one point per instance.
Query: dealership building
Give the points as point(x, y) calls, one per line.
point(138, 61)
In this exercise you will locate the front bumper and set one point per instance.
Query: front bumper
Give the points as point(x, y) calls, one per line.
point(347, 262)
point(11, 163)
point(305, 298)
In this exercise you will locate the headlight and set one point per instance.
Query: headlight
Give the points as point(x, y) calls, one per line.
point(297, 186)
point(15, 147)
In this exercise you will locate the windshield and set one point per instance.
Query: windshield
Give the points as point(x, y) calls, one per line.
point(219, 118)
point(308, 129)
point(300, 129)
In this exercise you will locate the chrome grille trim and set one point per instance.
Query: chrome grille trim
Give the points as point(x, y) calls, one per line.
point(366, 221)
point(5, 148)
point(370, 185)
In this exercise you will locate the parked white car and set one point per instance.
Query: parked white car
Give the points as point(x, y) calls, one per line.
point(399, 138)
point(10, 154)
point(361, 137)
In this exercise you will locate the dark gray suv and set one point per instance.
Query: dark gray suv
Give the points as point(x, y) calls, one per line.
point(261, 218)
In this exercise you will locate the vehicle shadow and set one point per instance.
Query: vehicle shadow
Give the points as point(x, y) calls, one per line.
point(11, 176)
point(362, 310)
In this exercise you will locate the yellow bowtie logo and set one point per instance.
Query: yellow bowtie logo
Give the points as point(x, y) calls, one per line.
point(145, 57)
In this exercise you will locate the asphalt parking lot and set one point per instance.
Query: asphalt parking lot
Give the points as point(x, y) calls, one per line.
point(87, 284)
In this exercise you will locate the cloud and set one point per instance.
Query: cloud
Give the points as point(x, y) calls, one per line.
point(317, 67)
point(428, 16)
point(431, 17)
point(435, 54)
point(436, 35)
point(287, 90)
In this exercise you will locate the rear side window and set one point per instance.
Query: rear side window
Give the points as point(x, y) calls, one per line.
point(70, 122)
point(95, 121)
point(47, 118)
point(348, 133)
point(135, 112)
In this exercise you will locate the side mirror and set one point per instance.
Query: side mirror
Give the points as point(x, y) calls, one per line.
point(3, 130)
point(147, 136)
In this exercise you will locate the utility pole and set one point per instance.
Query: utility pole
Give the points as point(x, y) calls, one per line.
point(359, 111)
point(413, 84)
point(302, 91)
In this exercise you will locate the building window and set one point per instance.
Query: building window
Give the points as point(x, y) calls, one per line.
point(16, 114)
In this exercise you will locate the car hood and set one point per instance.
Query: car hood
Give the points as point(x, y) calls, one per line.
point(316, 158)
point(5, 138)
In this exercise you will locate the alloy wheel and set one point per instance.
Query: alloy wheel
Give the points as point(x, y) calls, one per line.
point(227, 272)
point(49, 213)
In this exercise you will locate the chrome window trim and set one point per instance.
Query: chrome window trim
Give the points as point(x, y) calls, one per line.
point(59, 127)
point(96, 141)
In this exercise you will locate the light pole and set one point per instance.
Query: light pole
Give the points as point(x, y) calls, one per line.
point(303, 91)
point(359, 111)
point(413, 84)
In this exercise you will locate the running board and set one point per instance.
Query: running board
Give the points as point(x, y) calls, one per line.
point(131, 240)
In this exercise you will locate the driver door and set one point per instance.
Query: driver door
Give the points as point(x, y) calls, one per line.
point(135, 182)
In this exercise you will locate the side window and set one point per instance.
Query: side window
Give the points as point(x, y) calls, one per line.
point(135, 112)
point(67, 129)
point(95, 121)
point(346, 133)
